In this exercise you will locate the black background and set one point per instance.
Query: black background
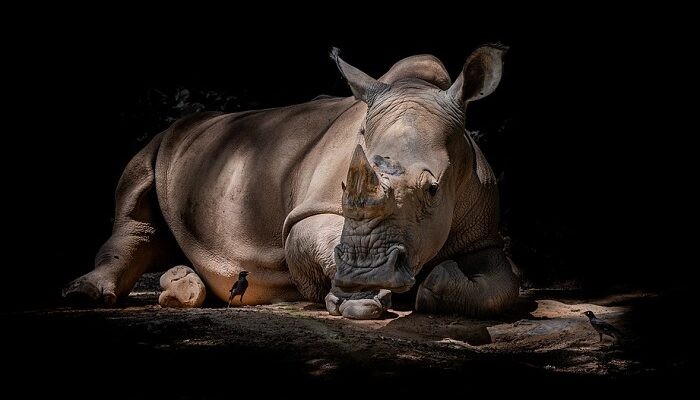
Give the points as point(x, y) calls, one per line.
point(577, 128)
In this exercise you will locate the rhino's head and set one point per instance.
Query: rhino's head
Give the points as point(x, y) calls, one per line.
point(404, 178)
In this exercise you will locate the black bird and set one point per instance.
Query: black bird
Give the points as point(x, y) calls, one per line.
point(602, 327)
point(239, 287)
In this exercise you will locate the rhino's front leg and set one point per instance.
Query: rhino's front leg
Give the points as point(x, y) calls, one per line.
point(309, 254)
point(476, 284)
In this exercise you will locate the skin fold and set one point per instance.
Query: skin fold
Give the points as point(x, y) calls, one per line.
point(342, 200)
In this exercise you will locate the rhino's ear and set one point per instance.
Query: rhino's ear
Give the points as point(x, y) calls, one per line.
point(363, 86)
point(480, 75)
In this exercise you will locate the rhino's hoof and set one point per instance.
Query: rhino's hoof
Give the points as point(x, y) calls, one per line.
point(90, 289)
point(182, 288)
point(368, 305)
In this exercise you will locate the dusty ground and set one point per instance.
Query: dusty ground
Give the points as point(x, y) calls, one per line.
point(206, 352)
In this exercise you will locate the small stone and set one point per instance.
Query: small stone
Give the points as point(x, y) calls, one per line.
point(361, 309)
point(333, 304)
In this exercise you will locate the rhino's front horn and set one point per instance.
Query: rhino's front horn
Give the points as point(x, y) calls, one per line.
point(362, 180)
point(363, 192)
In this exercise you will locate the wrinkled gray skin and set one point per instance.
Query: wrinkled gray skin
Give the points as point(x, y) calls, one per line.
point(335, 200)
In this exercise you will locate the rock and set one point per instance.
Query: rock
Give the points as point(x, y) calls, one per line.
point(358, 305)
point(182, 288)
point(332, 302)
point(554, 326)
point(362, 309)
point(384, 297)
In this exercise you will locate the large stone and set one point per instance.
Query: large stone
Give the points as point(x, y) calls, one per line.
point(182, 288)
point(554, 325)
point(362, 305)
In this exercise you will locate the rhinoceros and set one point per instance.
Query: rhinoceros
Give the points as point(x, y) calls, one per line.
point(336, 200)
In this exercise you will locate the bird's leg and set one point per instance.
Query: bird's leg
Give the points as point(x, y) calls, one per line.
point(601, 337)
point(241, 298)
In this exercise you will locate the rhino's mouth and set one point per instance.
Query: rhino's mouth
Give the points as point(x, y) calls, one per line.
point(374, 269)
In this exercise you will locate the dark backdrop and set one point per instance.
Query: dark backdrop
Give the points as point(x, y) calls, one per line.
point(571, 131)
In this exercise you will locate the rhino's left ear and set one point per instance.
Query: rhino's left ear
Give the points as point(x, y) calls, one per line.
point(480, 75)
point(363, 86)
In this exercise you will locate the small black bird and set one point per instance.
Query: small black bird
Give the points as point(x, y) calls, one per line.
point(239, 287)
point(602, 327)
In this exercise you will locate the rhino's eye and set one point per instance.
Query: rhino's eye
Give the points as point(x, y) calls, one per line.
point(433, 188)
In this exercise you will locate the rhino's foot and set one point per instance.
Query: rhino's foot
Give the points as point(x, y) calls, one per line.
point(94, 289)
point(182, 288)
point(435, 291)
point(491, 290)
point(362, 305)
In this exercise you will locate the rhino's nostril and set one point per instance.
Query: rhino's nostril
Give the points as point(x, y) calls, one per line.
point(400, 261)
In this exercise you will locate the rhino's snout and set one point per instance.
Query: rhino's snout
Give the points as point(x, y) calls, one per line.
point(361, 272)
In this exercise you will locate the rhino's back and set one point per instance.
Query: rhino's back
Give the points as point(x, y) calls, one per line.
point(226, 182)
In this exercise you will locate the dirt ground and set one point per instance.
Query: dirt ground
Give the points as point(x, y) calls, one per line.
point(142, 349)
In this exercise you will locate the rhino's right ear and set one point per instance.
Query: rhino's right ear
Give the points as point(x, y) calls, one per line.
point(363, 86)
point(480, 75)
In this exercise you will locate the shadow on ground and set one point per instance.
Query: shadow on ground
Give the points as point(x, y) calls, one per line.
point(143, 351)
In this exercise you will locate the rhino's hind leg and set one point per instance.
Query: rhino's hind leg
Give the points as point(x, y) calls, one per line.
point(139, 237)
point(182, 288)
point(477, 284)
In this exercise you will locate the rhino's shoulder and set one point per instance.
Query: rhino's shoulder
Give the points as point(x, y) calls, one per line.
point(192, 120)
